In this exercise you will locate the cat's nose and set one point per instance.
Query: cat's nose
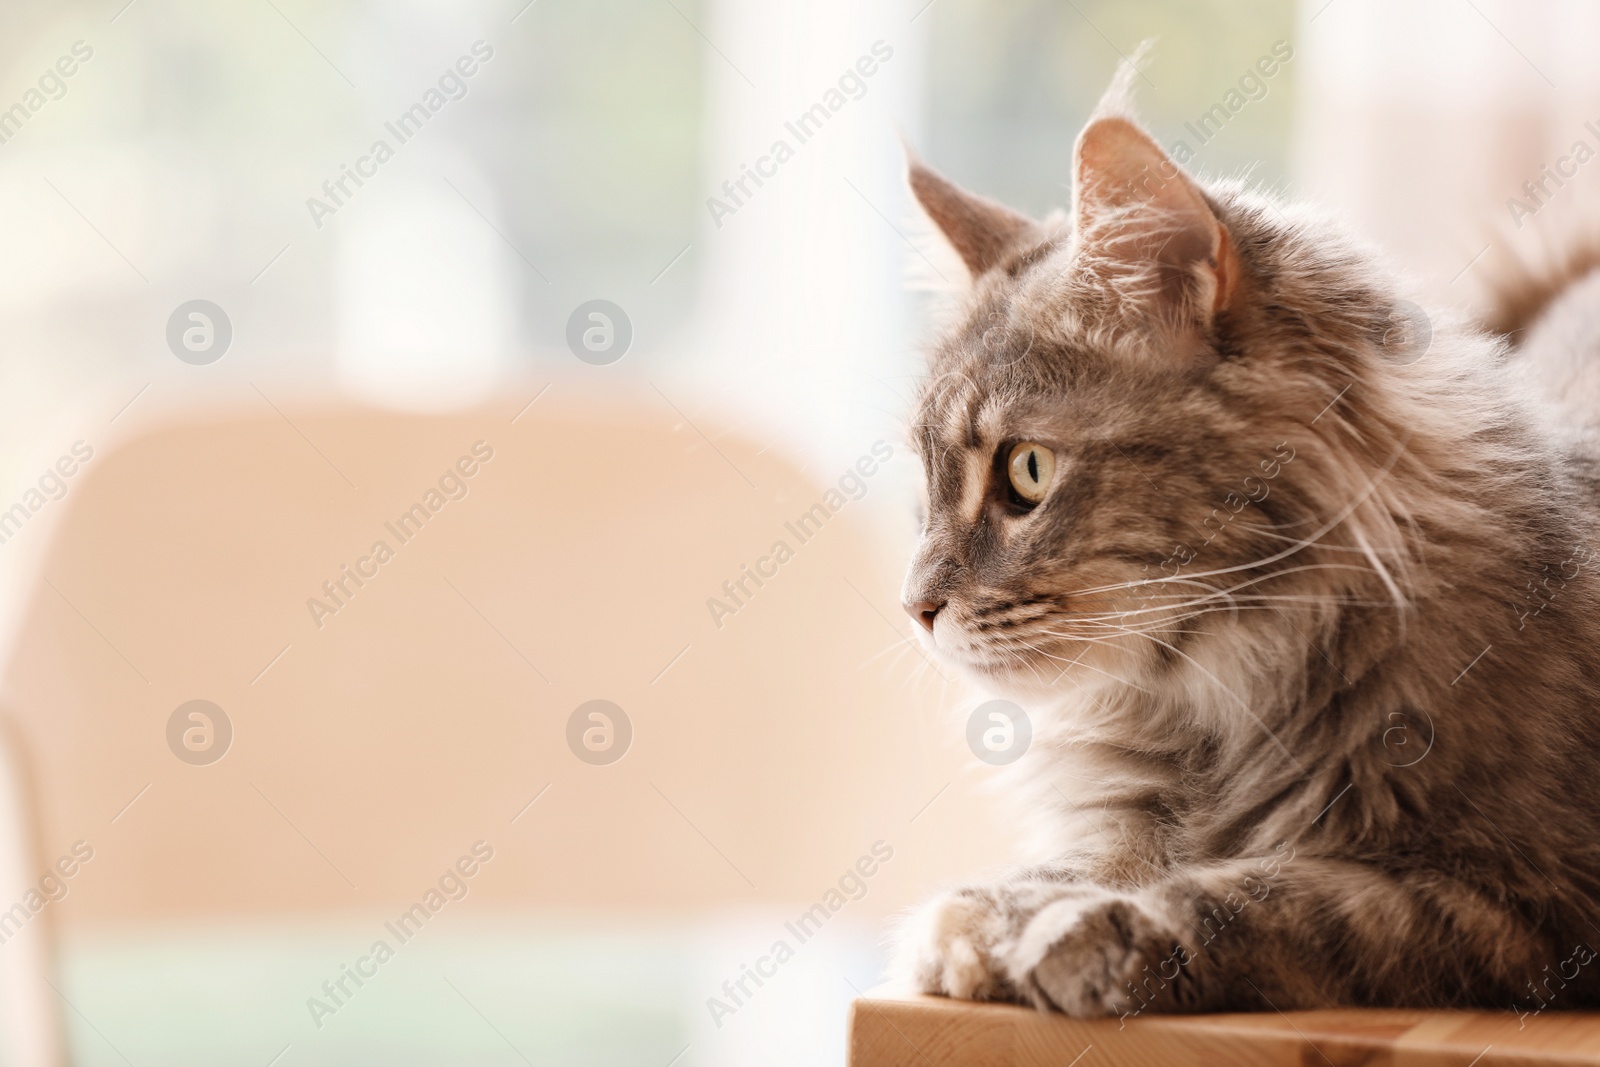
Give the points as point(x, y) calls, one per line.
point(924, 611)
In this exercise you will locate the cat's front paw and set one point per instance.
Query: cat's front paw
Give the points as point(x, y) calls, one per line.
point(948, 948)
point(1092, 957)
point(1078, 948)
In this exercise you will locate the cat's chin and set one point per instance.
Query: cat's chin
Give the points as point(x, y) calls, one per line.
point(1007, 675)
point(1036, 675)
point(950, 647)
point(1025, 684)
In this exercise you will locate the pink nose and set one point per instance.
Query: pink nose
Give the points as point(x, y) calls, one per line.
point(924, 611)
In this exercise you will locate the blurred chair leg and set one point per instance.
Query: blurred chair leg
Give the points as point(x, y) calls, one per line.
point(31, 1032)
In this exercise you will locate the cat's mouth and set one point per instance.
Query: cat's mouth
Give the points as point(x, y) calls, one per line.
point(993, 652)
point(1041, 652)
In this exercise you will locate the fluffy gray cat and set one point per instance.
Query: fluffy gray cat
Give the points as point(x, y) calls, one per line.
point(1298, 589)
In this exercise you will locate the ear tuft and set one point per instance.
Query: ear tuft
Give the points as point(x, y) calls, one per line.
point(1118, 99)
point(983, 232)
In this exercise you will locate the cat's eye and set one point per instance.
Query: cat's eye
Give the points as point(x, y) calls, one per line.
point(1031, 467)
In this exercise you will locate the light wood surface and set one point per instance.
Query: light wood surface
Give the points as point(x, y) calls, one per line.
point(892, 1029)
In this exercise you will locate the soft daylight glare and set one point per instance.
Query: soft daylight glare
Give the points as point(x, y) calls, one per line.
point(820, 349)
point(1424, 127)
point(423, 303)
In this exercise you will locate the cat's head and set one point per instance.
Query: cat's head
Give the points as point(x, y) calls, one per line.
point(1172, 409)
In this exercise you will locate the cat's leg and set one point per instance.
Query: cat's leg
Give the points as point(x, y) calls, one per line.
point(1243, 935)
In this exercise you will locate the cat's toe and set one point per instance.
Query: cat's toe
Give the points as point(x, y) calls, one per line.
point(1088, 957)
point(944, 948)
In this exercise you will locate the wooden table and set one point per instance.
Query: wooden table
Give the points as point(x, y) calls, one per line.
point(890, 1029)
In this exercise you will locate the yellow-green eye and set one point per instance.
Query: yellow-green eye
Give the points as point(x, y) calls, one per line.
point(1031, 467)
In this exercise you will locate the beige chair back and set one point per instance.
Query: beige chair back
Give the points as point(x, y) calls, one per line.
point(398, 616)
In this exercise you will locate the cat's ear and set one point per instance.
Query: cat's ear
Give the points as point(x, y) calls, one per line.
point(1138, 215)
point(980, 230)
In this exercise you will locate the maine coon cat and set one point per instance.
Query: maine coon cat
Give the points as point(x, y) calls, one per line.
point(1301, 602)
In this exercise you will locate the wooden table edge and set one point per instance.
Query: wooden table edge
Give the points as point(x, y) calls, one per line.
point(890, 1028)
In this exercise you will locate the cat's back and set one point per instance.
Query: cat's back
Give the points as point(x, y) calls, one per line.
point(1560, 348)
point(1549, 315)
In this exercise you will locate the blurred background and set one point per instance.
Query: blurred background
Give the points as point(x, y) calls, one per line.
point(274, 271)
